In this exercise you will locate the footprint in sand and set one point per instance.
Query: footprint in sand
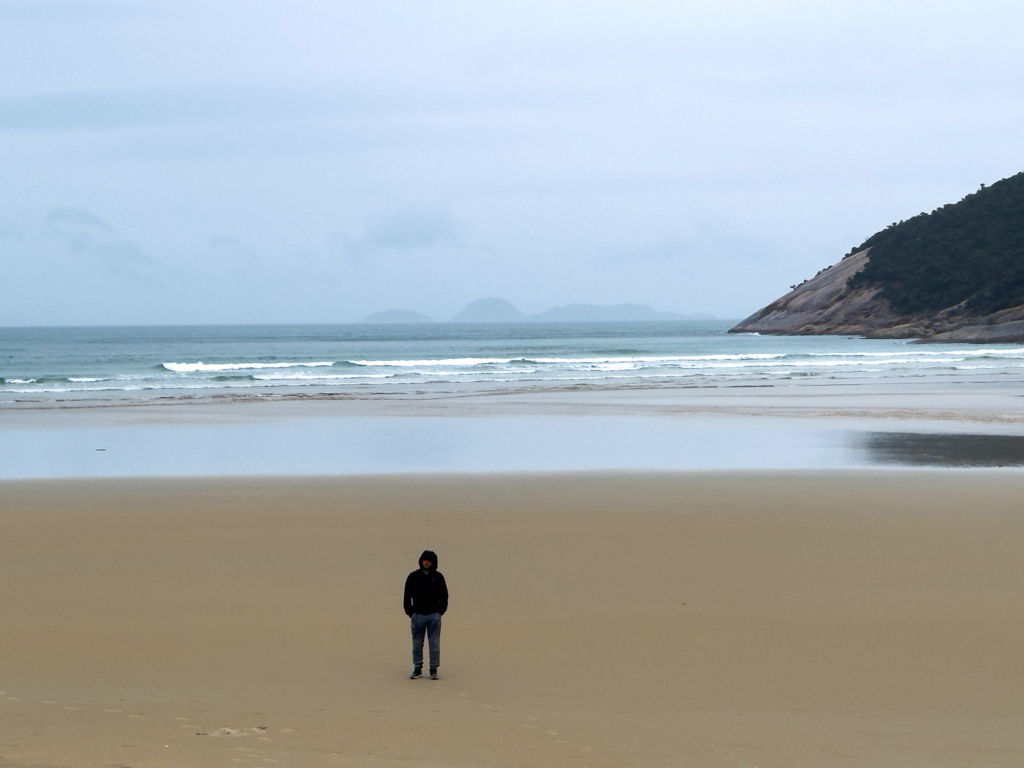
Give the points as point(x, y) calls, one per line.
point(183, 722)
point(533, 724)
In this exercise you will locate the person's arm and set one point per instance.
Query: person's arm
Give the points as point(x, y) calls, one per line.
point(407, 598)
point(442, 595)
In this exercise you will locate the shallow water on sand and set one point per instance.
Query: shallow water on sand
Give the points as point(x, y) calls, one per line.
point(374, 445)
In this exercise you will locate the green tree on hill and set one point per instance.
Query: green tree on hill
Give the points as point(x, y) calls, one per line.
point(970, 252)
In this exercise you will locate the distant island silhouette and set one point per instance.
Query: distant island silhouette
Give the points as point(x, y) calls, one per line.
point(495, 310)
point(953, 275)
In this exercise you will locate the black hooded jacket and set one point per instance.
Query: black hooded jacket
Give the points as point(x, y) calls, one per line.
point(426, 593)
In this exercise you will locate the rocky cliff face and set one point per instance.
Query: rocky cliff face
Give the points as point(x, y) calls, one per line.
point(822, 305)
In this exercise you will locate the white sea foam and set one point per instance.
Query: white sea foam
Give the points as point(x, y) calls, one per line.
point(305, 377)
point(781, 358)
point(431, 363)
point(219, 367)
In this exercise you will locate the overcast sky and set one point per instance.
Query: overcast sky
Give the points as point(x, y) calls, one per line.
point(238, 162)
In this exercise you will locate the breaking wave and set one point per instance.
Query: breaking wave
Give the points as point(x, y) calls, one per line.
point(213, 367)
point(214, 359)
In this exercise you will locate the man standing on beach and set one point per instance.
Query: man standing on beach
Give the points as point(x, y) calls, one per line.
point(426, 600)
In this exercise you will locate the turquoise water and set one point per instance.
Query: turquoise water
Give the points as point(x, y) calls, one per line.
point(40, 364)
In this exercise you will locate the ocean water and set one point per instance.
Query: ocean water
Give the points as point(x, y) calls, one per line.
point(59, 364)
point(44, 367)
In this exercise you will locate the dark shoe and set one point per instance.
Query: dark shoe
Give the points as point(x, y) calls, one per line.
point(433, 673)
point(417, 673)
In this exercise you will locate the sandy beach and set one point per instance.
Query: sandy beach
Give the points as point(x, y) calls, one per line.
point(857, 618)
point(690, 337)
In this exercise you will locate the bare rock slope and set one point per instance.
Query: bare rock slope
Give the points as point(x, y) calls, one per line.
point(823, 305)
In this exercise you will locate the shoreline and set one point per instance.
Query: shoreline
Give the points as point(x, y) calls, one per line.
point(796, 427)
point(347, 446)
point(991, 402)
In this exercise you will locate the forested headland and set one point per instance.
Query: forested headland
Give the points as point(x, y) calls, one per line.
point(955, 274)
point(970, 252)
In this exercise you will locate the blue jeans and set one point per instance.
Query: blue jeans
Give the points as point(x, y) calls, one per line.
point(429, 625)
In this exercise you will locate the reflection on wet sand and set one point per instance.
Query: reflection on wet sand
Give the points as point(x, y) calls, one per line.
point(943, 450)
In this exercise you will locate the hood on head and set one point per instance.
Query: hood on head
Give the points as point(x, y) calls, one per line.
point(428, 555)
